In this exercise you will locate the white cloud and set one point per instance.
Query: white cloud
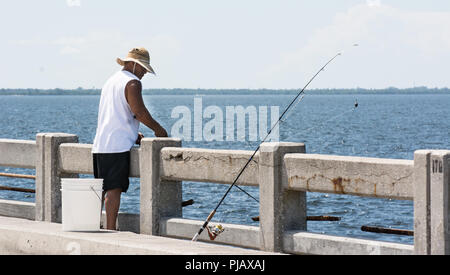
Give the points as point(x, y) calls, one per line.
point(70, 41)
point(373, 3)
point(69, 50)
point(388, 37)
point(73, 3)
point(37, 41)
point(70, 45)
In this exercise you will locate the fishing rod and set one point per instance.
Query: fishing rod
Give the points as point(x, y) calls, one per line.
point(213, 212)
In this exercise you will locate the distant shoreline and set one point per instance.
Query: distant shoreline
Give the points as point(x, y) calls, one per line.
point(80, 91)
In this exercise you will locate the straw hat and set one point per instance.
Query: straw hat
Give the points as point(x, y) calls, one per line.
point(140, 56)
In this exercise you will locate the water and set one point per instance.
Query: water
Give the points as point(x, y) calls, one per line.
point(383, 126)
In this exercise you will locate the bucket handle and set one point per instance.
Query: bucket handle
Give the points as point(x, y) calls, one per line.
point(95, 193)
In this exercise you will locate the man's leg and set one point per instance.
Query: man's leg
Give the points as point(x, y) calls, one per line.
point(112, 205)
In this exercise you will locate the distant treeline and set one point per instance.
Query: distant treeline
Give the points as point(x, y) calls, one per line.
point(81, 91)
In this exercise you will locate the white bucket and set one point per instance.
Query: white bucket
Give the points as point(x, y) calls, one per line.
point(81, 204)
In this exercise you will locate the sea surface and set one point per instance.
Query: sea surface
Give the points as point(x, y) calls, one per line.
point(382, 126)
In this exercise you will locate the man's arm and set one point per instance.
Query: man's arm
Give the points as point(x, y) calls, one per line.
point(133, 94)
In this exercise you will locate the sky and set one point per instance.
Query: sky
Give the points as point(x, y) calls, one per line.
point(233, 44)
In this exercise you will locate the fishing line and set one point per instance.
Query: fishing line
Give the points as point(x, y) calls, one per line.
point(290, 111)
point(333, 118)
point(303, 132)
point(237, 186)
point(211, 215)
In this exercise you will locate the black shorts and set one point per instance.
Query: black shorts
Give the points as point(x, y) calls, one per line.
point(114, 169)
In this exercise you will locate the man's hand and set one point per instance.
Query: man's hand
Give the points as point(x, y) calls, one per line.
point(161, 132)
point(138, 140)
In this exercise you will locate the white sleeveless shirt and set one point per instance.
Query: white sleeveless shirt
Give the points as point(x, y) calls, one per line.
point(117, 129)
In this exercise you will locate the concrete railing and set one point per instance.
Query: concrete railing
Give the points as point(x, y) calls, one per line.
point(18, 154)
point(283, 173)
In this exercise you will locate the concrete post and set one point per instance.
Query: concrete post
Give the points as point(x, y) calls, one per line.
point(422, 216)
point(279, 209)
point(158, 198)
point(48, 176)
point(440, 202)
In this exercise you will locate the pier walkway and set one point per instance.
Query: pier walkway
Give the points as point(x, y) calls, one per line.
point(21, 236)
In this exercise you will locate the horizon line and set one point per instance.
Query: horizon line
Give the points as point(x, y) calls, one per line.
point(234, 89)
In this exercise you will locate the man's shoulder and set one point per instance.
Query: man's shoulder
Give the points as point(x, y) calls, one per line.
point(129, 75)
point(134, 85)
point(113, 77)
point(122, 77)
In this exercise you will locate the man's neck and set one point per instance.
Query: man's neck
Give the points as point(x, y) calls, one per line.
point(130, 71)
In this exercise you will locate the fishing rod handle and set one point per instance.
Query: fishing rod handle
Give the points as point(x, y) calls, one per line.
point(211, 215)
point(205, 224)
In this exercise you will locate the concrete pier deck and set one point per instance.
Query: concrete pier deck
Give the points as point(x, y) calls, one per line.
point(20, 236)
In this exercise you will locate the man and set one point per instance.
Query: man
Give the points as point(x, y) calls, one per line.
point(120, 111)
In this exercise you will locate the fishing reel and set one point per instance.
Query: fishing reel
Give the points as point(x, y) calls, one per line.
point(214, 231)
